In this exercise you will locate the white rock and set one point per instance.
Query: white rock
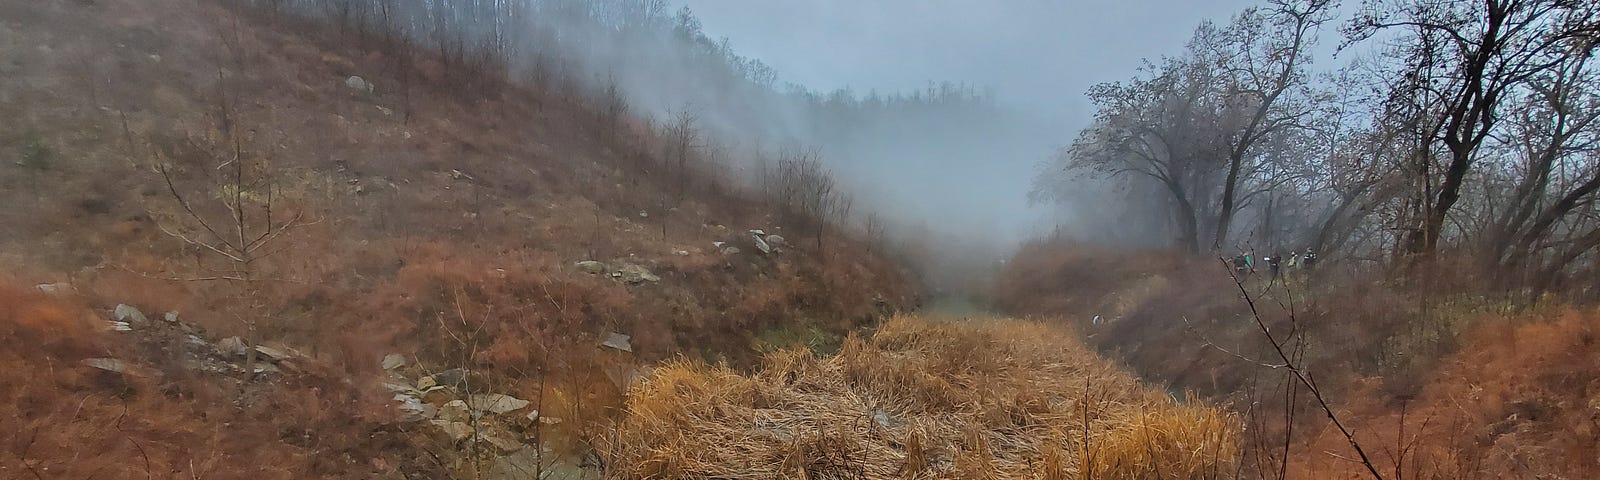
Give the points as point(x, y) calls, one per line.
point(107, 364)
point(55, 288)
point(358, 84)
point(127, 313)
point(496, 403)
point(117, 326)
point(273, 354)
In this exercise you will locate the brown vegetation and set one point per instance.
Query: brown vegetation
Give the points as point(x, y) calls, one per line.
point(920, 399)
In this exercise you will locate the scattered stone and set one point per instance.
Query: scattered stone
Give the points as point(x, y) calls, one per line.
point(500, 439)
point(423, 383)
point(117, 326)
point(591, 267)
point(681, 253)
point(618, 341)
point(776, 241)
point(170, 317)
point(413, 410)
point(232, 346)
point(731, 251)
point(127, 313)
point(718, 245)
point(395, 360)
point(438, 395)
point(636, 274)
point(385, 110)
point(400, 389)
point(454, 377)
point(273, 354)
point(455, 431)
point(264, 367)
point(197, 341)
point(455, 411)
point(108, 364)
point(55, 288)
point(496, 403)
point(758, 232)
point(644, 214)
point(527, 421)
point(358, 84)
point(761, 245)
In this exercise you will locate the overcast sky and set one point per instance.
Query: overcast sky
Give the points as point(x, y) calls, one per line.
point(1040, 54)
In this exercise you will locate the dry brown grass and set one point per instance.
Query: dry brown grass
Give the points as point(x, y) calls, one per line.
point(920, 399)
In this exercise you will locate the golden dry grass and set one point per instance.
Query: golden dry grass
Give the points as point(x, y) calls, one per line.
point(920, 399)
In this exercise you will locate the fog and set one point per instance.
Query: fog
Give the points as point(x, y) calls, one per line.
point(1035, 57)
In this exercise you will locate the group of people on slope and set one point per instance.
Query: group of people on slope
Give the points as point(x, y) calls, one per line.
point(1244, 263)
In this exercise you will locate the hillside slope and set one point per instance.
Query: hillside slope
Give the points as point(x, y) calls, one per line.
point(458, 225)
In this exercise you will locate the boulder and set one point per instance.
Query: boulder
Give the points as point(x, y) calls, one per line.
point(455, 411)
point(591, 267)
point(170, 317)
point(393, 361)
point(761, 245)
point(776, 241)
point(425, 383)
point(528, 421)
point(358, 84)
point(232, 346)
point(618, 341)
point(127, 313)
point(636, 274)
point(496, 403)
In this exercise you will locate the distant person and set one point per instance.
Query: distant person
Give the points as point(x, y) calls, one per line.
point(1273, 265)
point(1310, 259)
point(1241, 264)
point(1293, 260)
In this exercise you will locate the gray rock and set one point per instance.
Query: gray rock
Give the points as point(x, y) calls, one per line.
point(636, 274)
point(731, 251)
point(403, 389)
point(454, 431)
point(273, 354)
point(454, 378)
point(776, 241)
point(393, 361)
point(127, 313)
point(232, 346)
point(618, 341)
point(170, 317)
point(412, 409)
point(496, 403)
point(591, 267)
point(761, 245)
point(455, 411)
point(107, 364)
point(358, 84)
point(502, 440)
point(758, 232)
